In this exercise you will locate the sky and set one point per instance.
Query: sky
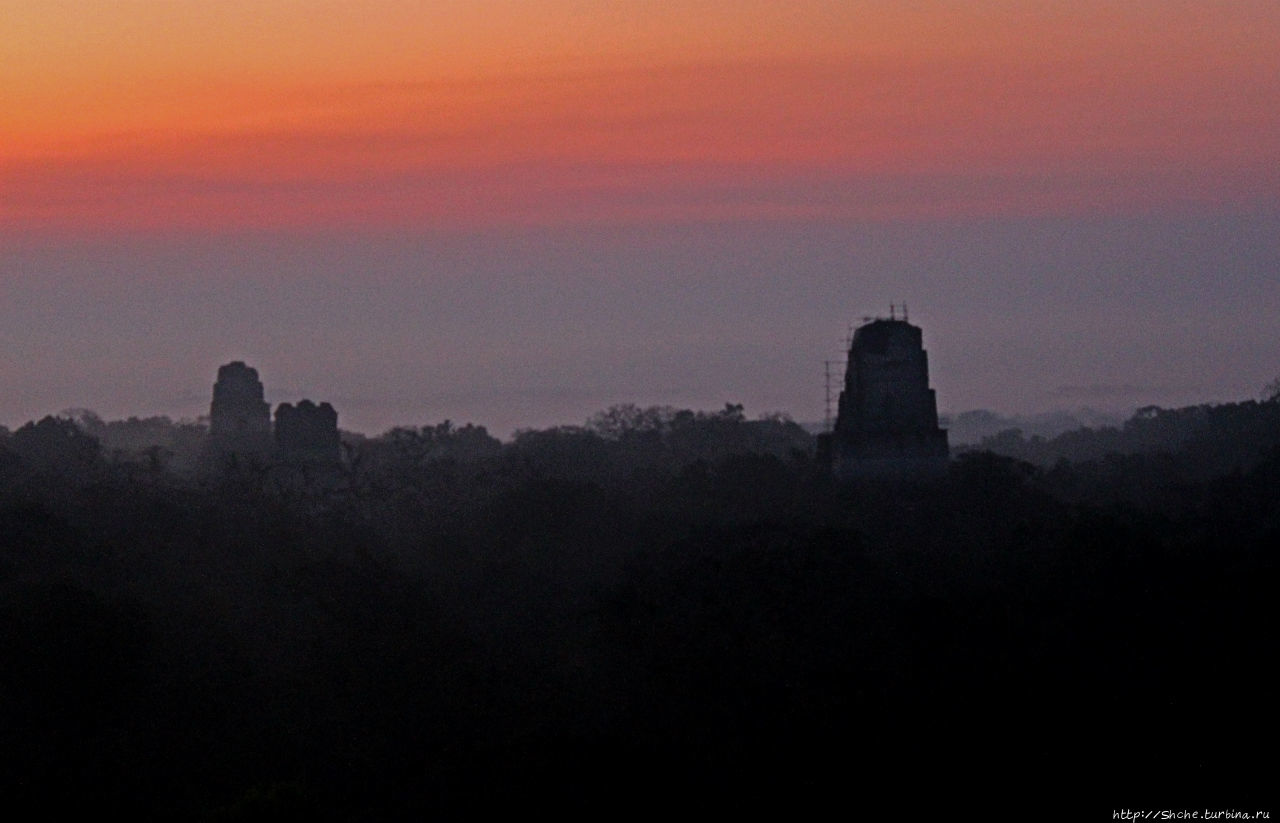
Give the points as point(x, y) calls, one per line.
point(520, 213)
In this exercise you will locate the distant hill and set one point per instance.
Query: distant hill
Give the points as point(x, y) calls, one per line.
point(970, 427)
point(1200, 441)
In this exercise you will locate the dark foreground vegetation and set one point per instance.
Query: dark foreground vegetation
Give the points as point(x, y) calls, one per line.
point(661, 611)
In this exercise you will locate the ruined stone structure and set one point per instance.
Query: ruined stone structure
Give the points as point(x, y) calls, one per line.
point(239, 417)
point(307, 433)
point(240, 430)
point(887, 422)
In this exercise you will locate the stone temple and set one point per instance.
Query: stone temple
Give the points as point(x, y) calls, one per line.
point(307, 433)
point(887, 423)
point(239, 417)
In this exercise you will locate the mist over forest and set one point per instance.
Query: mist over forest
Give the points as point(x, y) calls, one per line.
point(659, 609)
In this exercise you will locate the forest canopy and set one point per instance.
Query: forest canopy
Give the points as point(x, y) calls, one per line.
point(659, 605)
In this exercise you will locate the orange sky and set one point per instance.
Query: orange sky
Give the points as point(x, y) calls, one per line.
point(383, 113)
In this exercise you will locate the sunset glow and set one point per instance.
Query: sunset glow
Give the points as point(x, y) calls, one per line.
point(519, 212)
point(153, 114)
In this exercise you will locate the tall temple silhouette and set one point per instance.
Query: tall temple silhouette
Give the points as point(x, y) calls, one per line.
point(887, 421)
point(239, 417)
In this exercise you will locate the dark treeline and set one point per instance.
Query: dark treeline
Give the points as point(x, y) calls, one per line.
point(662, 610)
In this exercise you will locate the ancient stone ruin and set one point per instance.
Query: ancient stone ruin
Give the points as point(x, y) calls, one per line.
point(239, 417)
point(240, 430)
point(887, 423)
point(307, 433)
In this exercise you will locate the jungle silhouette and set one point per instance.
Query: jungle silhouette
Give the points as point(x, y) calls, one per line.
point(661, 609)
